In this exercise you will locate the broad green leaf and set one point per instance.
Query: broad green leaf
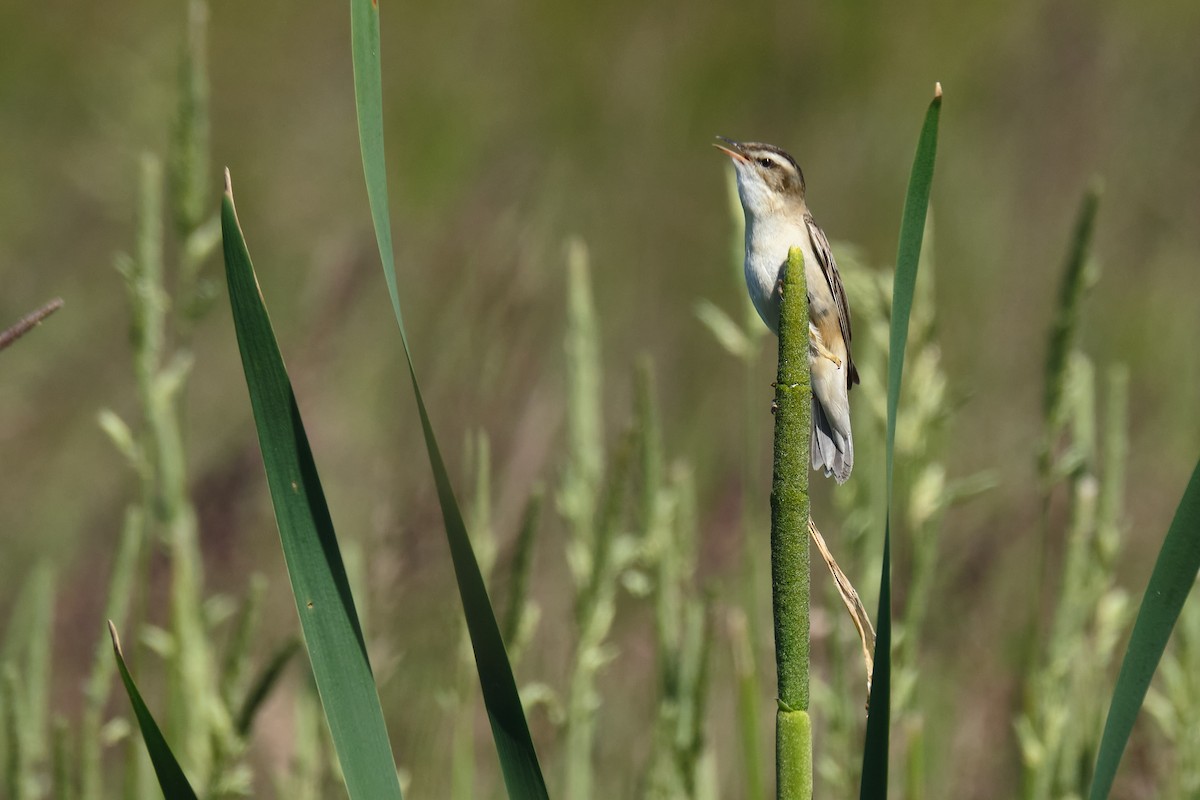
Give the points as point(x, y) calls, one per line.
point(332, 632)
point(170, 775)
point(912, 232)
point(1173, 578)
point(518, 760)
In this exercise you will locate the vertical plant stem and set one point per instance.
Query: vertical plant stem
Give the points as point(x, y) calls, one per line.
point(99, 684)
point(747, 703)
point(518, 577)
point(789, 538)
point(16, 766)
point(594, 609)
point(63, 763)
point(159, 381)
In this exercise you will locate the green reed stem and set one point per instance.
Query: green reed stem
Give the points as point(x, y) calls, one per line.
point(789, 538)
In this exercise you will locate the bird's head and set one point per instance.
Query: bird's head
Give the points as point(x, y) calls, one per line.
point(769, 180)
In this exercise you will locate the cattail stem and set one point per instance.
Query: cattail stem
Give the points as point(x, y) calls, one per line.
point(789, 538)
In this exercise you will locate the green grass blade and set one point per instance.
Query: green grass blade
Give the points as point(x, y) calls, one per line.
point(1173, 577)
point(1066, 320)
point(518, 760)
point(261, 688)
point(912, 232)
point(170, 775)
point(332, 633)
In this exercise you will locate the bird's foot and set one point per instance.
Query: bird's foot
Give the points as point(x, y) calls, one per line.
point(824, 352)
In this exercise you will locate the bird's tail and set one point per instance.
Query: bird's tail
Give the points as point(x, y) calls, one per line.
point(832, 451)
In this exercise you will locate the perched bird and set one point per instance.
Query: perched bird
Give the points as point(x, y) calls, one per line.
point(771, 187)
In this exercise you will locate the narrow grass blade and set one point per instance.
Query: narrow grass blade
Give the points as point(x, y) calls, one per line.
point(332, 633)
point(263, 684)
point(912, 232)
point(518, 760)
point(170, 775)
point(1066, 321)
point(1173, 577)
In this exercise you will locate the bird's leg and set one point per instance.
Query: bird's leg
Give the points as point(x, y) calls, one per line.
point(818, 346)
point(823, 351)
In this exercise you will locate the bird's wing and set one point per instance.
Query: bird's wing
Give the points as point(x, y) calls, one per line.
point(824, 254)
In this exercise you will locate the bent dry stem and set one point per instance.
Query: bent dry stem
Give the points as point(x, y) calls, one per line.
point(789, 538)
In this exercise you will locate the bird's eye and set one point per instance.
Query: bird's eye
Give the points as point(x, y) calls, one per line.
point(767, 163)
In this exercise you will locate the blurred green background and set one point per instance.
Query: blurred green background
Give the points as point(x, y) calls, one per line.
point(513, 126)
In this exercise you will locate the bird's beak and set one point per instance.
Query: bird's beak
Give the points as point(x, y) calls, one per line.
point(734, 150)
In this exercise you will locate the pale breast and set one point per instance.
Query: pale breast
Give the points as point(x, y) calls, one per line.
point(767, 246)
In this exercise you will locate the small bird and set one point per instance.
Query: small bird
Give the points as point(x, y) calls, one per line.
point(771, 187)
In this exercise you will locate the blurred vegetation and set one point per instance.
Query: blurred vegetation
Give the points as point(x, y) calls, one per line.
point(512, 126)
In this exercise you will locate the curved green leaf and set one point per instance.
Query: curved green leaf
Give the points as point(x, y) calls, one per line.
point(518, 760)
point(332, 632)
point(170, 775)
point(912, 232)
point(1173, 578)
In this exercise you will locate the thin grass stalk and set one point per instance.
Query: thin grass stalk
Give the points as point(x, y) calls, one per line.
point(1061, 340)
point(518, 611)
point(160, 381)
point(63, 762)
point(190, 172)
point(790, 574)
point(1066, 320)
point(305, 778)
point(693, 691)
point(483, 541)
point(146, 334)
point(237, 704)
point(1115, 449)
point(16, 753)
point(245, 631)
point(260, 688)
point(696, 663)
point(27, 645)
point(595, 606)
point(99, 683)
point(578, 501)
point(748, 694)
point(584, 472)
point(667, 530)
point(1057, 730)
